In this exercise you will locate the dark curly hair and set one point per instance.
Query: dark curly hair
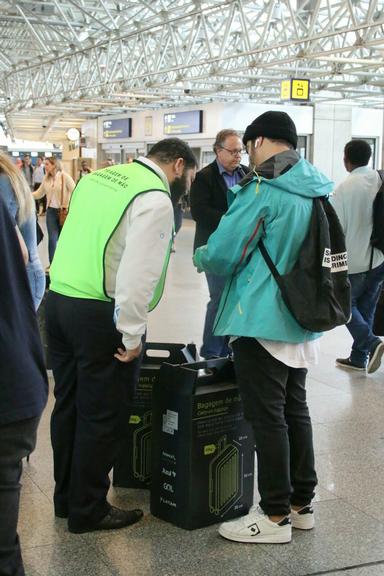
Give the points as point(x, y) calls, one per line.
point(170, 149)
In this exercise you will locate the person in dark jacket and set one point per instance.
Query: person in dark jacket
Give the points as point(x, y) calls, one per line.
point(23, 387)
point(208, 204)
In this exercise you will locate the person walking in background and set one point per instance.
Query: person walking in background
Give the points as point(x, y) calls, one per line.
point(107, 273)
point(353, 202)
point(57, 186)
point(18, 198)
point(27, 170)
point(38, 177)
point(23, 387)
point(19, 163)
point(84, 169)
point(271, 350)
point(208, 204)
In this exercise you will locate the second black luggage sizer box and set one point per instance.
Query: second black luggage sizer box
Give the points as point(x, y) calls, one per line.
point(203, 456)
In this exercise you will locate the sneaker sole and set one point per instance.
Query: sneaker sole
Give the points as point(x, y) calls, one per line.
point(356, 368)
point(279, 539)
point(302, 523)
point(375, 362)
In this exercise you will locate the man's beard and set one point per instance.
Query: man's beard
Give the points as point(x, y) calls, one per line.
point(178, 188)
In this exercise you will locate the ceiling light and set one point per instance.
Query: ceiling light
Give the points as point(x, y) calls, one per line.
point(83, 36)
point(277, 12)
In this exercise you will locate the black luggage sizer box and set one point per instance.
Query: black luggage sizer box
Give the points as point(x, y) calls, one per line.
point(132, 468)
point(203, 457)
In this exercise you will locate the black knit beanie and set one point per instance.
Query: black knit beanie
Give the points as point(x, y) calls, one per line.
point(272, 124)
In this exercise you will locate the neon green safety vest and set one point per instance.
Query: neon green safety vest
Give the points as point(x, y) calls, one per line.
point(98, 204)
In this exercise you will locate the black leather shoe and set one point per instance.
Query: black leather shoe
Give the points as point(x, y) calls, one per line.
point(116, 518)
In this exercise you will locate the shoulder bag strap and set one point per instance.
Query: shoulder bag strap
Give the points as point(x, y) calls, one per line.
point(371, 258)
point(62, 190)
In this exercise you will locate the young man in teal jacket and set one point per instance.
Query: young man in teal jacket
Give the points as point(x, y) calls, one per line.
point(271, 350)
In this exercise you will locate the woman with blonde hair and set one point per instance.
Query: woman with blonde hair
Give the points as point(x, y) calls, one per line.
point(15, 191)
point(57, 186)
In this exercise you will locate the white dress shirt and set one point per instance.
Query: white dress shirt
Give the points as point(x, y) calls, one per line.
point(135, 257)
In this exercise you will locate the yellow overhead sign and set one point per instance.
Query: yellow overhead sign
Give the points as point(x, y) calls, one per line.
point(300, 89)
point(295, 89)
point(285, 90)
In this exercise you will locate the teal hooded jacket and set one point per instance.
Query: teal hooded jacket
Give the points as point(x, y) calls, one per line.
point(279, 211)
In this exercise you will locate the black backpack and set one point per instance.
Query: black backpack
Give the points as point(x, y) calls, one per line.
point(377, 236)
point(317, 291)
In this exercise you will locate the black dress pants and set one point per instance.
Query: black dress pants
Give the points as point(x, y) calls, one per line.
point(274, 399)
point(91, 389)
point(17, 440)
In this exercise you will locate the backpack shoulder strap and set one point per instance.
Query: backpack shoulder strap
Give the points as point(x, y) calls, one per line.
point(268, 259)
point(269, 263)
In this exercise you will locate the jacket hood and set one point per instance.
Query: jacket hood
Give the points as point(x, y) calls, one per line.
point(302, 179)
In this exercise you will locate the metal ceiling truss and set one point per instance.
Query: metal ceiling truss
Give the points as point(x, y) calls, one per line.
point(100, 56)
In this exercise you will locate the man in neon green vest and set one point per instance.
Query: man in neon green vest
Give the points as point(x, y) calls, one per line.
point(107, 273)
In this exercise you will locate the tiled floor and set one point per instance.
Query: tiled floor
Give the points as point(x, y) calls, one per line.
point(348, 419)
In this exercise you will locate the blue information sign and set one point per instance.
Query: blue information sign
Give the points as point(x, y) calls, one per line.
point(121, 128)
point(183, 122)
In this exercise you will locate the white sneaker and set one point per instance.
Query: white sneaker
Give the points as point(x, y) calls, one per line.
point(257, 528)
point(374, 360)
point(303, 519)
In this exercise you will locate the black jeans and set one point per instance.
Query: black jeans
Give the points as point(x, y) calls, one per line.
point(17, 440)
point(91, 390)
point(274, 399)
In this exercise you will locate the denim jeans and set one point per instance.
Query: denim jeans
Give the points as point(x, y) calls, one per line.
point(17, 440)
point(214, 345)
point(366, 288)
point(275, 404)
point(53, 228)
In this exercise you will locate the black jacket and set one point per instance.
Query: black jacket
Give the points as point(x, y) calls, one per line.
point(208, 199)
point(23, 378)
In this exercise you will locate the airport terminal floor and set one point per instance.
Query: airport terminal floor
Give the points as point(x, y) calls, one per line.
point(347, 411)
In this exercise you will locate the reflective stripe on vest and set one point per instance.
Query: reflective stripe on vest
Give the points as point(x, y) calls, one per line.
point(98, 204)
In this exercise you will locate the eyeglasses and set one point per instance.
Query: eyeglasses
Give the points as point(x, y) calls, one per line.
point(233, 152)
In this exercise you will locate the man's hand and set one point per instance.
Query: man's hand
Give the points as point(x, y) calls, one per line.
point(128, 355)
